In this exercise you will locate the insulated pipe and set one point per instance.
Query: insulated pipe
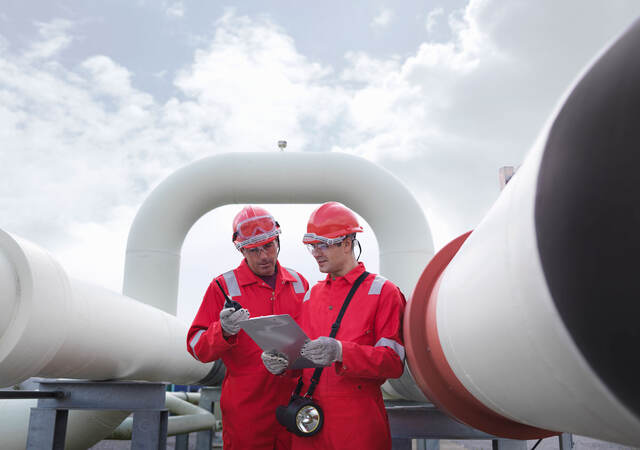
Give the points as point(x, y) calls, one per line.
point(158, 231)
point(8, 292)
point(530, 322)
point(63, 328)
point(185, 418)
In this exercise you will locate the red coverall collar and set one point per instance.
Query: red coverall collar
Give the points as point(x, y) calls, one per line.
point(246, 276)
point(351, 276)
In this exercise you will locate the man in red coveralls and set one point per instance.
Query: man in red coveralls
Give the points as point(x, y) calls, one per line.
point(263, 287)
point(368, 348)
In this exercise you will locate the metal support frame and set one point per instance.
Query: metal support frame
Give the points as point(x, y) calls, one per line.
point(426, 425)
point(566, 441)
point(508, 444)
point(423, 421)
point(182, 442)
point(208, 398)
point(48, 421)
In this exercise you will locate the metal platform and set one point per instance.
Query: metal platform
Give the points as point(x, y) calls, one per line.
point(427, 425)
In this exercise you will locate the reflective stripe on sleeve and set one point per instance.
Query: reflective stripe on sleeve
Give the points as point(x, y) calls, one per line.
point(393, 345)
point(298, 287)
point(232, 284)
point(376, 286)
point(307, 296)
point(194, 341)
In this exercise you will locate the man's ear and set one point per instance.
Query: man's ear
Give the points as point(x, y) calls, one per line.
point(348, 245)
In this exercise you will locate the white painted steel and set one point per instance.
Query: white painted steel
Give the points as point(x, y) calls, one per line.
point(503, 336)
point(8, 291)
point(156, 237)
point(153, 249)
point(63, 328)
point(84, 428)
point(185, 418)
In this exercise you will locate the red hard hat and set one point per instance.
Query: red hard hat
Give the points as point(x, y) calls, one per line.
point(330, 223)
point(254, 226)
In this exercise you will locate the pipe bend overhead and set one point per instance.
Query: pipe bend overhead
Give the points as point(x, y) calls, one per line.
point(154, 244)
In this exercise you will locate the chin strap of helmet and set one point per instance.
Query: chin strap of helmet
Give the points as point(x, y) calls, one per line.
point(355, 241)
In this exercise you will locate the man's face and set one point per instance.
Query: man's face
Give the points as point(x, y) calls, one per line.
point(331, 258)
point(262, 260)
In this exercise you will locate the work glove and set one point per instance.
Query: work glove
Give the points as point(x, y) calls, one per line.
point(276, 363)
point(322, 351)
point(230, 319)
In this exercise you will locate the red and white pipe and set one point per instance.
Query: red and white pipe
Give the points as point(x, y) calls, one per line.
point(529, 324)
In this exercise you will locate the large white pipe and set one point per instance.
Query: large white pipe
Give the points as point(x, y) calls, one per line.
point(158, 231)
point(66, 328)
point(8, 292)
point(532, 321)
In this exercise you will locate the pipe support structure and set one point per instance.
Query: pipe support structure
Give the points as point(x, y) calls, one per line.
point(185, 418)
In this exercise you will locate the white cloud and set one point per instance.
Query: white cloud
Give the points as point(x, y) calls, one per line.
point(81, 147)
point(114, 81)
point(252, 74)
point(382, 19)
point(55, 38)
point(175, 10)
point(459, 110)
point(432, 19)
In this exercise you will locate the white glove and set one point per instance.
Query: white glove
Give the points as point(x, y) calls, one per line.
point(276, 363)
point(230, 319)
point(322, 351)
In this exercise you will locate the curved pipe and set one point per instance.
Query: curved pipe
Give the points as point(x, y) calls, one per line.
point(532, 321)
point(153, 248)
point(64, 328)
point(185, 418)
point(154, 244)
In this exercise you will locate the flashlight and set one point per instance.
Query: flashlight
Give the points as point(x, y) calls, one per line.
point(302, 416)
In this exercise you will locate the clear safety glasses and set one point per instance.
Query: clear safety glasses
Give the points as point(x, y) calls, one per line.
point(319, 246)
point(323, 244)
point(263, 248)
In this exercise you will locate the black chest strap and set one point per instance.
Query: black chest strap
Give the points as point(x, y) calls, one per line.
point(334, 331)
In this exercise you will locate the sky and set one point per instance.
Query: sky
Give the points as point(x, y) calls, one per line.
point(101, 101)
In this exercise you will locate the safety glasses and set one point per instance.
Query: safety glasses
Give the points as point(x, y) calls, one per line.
point(263, 248)
point(319, 246)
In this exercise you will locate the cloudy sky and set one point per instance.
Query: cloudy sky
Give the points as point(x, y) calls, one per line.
point(100, 101)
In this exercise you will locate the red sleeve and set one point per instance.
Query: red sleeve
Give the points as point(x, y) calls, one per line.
point(205, 341)
point(304, 282)
point(386, 358)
